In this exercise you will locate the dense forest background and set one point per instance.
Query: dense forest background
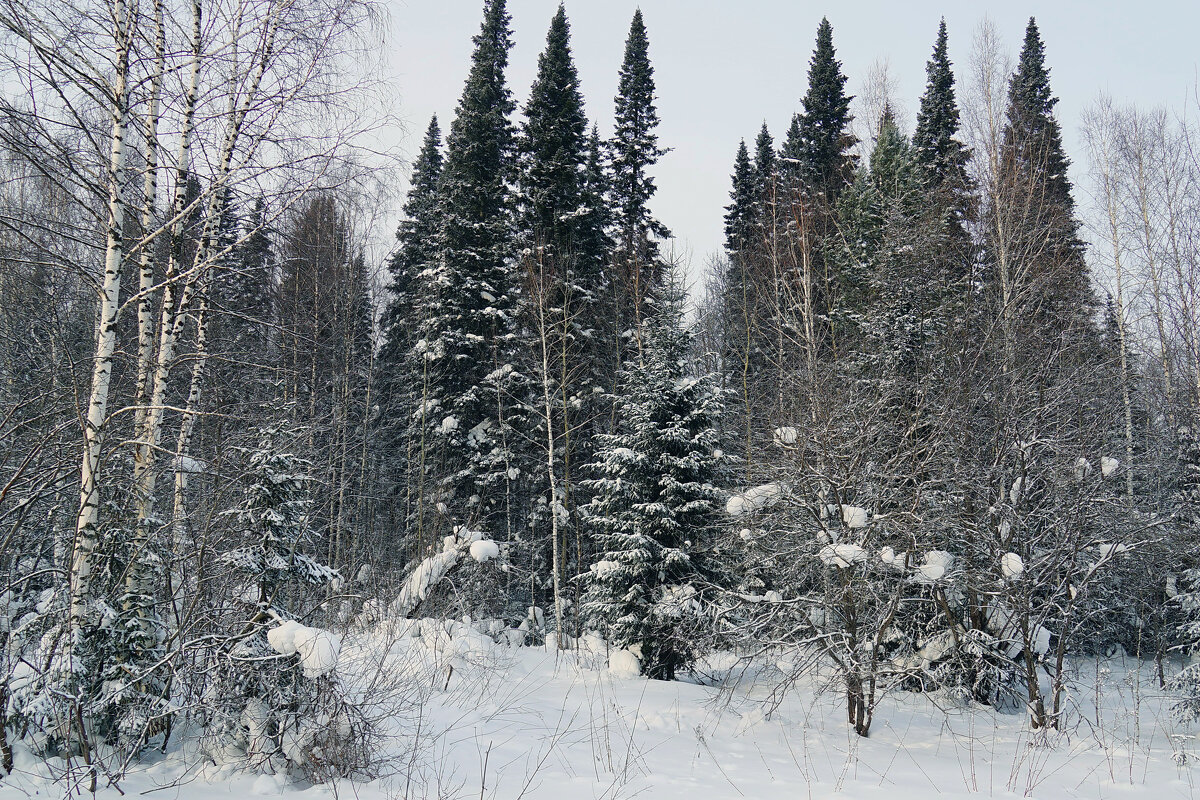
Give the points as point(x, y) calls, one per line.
point(931, 420)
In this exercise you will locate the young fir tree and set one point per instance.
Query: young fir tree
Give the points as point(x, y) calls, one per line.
point(1034, 165)
point(261, 699)
point(823, 139)
point(656, 497)
point(401, 373)
point(468, 332)
point(635, 151)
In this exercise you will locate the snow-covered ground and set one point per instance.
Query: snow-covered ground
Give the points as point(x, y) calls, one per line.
point(463, 717)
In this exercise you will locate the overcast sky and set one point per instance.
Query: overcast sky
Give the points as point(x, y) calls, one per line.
point(724, 67)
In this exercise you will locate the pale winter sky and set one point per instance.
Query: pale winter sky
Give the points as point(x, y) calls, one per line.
point(724, 67)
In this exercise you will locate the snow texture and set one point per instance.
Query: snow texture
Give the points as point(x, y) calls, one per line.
point(1108, 466)
point(318, 649)
point(484, 550)
point(624, 665)
point(786, 435)
point(854, 517)
point(1012, 566)
point(842, 555)
point(937, 564)
point(754, 499)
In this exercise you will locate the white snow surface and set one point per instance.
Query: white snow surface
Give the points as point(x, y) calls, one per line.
point(754, 499)
point(624, 665)
point(540, 724)
point(854, 517)
point(937, 564)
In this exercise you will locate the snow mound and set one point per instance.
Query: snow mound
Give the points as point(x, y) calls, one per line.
point(318, 649)
point(433, 569)
point(624, 665)
point(786, 435)
point(842, 555)
point(1012, 566)
point(1108, 466)
point(937, 564)
point(754, 499)
point(854, 517)
point(892, 559)
point(1083, 468)
point(484, 550)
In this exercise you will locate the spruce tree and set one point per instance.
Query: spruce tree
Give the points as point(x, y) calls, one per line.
point(656, 497)
point(400, 372)
point(559, 222)
point(416, 252)
point(823, 139)
point(764, 162)
point(468, 333)
point(1034, 164)
point(635, 151)
point(741, 213)
point(938, 150)
point(553, 146)
point(942, 156)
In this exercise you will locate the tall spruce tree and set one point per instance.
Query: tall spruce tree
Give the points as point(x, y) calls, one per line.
point(656, 497)
point(561, 229)
point(942, 156)
point(824, 140)
point(635, 151)
point(400, 372)
point(938, 150)
point(740, 214)
point(1034, 165)
point(468, 333)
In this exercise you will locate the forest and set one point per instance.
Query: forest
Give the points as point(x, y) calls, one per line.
point(929, 427)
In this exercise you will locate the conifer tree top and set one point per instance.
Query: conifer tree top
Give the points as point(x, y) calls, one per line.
point(554, 140)
point(764, 155)
point(426, 169)
point(824, 125)
point(1033, 135)
point(742, 197)
point(479, 139)
point(940, 153)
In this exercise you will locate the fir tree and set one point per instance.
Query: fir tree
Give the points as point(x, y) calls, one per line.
point(656, 498)
point(948, 190)
point(938, 150)
point(401, 373)
point(741, 213)
point(559, 219)
point(416, 252)
point(764, 163)
point(823, 137)
point(553, 151)
point(1035, 164)
point(635, 151)
point(468, 333)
